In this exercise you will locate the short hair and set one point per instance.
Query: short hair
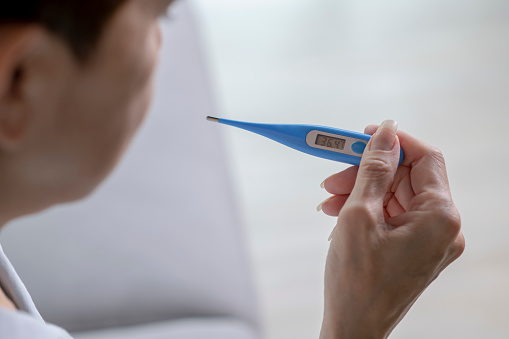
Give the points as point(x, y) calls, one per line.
point(79, 23)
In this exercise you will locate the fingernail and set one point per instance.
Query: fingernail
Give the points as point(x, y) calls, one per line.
point(319, 207)
point(322, 185)
point(385, 137)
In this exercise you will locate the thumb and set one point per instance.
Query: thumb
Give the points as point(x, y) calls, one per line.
point(378, 165)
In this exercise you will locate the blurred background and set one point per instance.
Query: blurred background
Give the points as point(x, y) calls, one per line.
point(440, 68)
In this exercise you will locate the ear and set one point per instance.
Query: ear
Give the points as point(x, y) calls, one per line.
point(16, 44)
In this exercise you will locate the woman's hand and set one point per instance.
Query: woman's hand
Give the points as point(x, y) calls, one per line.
point(397, 229)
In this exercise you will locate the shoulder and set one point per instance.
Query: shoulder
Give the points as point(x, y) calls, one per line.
point(20, 325)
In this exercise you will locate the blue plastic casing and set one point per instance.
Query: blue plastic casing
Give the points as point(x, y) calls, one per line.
point(294, 136)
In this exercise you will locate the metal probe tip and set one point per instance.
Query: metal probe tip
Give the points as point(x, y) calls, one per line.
point(212, 119)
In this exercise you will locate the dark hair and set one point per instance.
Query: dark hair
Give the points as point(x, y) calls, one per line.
point(78, 22)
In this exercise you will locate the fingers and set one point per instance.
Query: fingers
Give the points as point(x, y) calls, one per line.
point(342, 182)
point(427, 162)
point(333, 205)
point(371, 129)
point(393, 206)
point(414, 148)
point(378, 165)
point(423, 170)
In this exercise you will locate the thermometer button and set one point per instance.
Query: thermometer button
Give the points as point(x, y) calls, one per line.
point(358, 147)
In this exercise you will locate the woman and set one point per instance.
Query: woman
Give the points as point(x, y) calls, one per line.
point(75, 83)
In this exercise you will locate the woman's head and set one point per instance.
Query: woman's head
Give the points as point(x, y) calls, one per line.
point(78, 23)
point(75, 82)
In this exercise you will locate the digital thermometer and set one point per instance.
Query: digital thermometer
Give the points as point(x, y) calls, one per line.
point(324, 142)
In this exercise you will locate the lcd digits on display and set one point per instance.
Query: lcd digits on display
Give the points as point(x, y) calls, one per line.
point(323, 140)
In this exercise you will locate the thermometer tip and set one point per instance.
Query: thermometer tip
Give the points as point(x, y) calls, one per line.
point(209, 118)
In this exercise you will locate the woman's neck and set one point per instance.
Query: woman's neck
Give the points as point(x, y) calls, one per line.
point(5, 302)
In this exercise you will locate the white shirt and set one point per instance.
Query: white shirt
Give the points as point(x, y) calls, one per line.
point(26, 322)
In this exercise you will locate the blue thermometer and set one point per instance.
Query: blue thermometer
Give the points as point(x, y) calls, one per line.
point(324, 142)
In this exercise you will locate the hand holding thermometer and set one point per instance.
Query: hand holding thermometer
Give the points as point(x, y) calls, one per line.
point(324, 142)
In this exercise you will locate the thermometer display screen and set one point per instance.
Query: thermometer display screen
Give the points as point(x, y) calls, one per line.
point(326, 141)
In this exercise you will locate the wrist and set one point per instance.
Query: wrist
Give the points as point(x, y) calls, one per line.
point(347, 327)
point(356, 316)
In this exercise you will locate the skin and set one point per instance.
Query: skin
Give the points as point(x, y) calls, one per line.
point(397, 229)
point(65, 123)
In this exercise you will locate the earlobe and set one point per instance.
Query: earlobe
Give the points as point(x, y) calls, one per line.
point(16, 43)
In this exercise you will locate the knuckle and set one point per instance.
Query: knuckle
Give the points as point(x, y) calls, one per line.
point(450, 224)
point(455, 250)
point(358, 214)
point(376, 166)
point(437, 154)
point(454, 223)
point(459, 246)
point(358, 208)
point(462, 244)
